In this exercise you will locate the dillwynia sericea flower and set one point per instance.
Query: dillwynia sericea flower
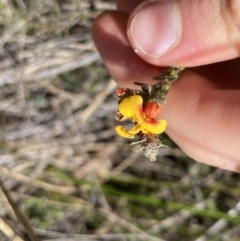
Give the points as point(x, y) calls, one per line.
point(144, 117)
point(143, 107)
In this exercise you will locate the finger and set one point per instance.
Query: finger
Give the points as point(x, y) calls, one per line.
point(125, 67)
point(128, 6)
point(109, 34)
point(224, 74)
point(186, 32)
point(204, 121)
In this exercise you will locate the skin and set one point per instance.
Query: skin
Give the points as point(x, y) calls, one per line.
point(203, 106)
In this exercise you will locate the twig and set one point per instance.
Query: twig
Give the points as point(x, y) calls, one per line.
point(19, 215)
point(98, 100)
point(127, 162)
point(36, 183)
point(7, 207)
point(107, 237)
point(219, 225)
point(114, 218)
point(17, 75)
point(9, 232)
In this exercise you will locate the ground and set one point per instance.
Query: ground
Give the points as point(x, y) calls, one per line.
point(61, 161)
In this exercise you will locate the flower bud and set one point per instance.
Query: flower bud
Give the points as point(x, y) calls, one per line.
point(120, 91)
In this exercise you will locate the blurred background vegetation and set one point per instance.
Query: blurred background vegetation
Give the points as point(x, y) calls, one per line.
point(60, 159)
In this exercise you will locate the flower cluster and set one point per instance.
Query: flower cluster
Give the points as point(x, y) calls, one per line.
point(143, 108)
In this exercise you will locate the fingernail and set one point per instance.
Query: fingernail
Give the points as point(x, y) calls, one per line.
point(154, 27)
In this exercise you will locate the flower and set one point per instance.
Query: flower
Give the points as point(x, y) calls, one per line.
point(143, 108)
point(143, 116)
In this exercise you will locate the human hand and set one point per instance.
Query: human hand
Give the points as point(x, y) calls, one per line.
point(203, 106)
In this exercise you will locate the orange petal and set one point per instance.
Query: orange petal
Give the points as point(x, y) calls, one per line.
point(152, 110)
point(154, 127)
point(130, 106)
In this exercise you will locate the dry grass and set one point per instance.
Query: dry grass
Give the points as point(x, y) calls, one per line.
point(62, 163)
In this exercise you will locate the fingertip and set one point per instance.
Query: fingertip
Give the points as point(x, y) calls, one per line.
point(153, 29)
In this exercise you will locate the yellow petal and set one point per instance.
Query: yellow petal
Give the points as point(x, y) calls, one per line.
point(136, 129)
point(131, 105)
point(123, 132)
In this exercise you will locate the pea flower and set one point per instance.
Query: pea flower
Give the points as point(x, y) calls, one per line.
point(144, 117)
point(142, 107)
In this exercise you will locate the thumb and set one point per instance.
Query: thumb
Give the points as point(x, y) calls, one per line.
point(185, 32)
